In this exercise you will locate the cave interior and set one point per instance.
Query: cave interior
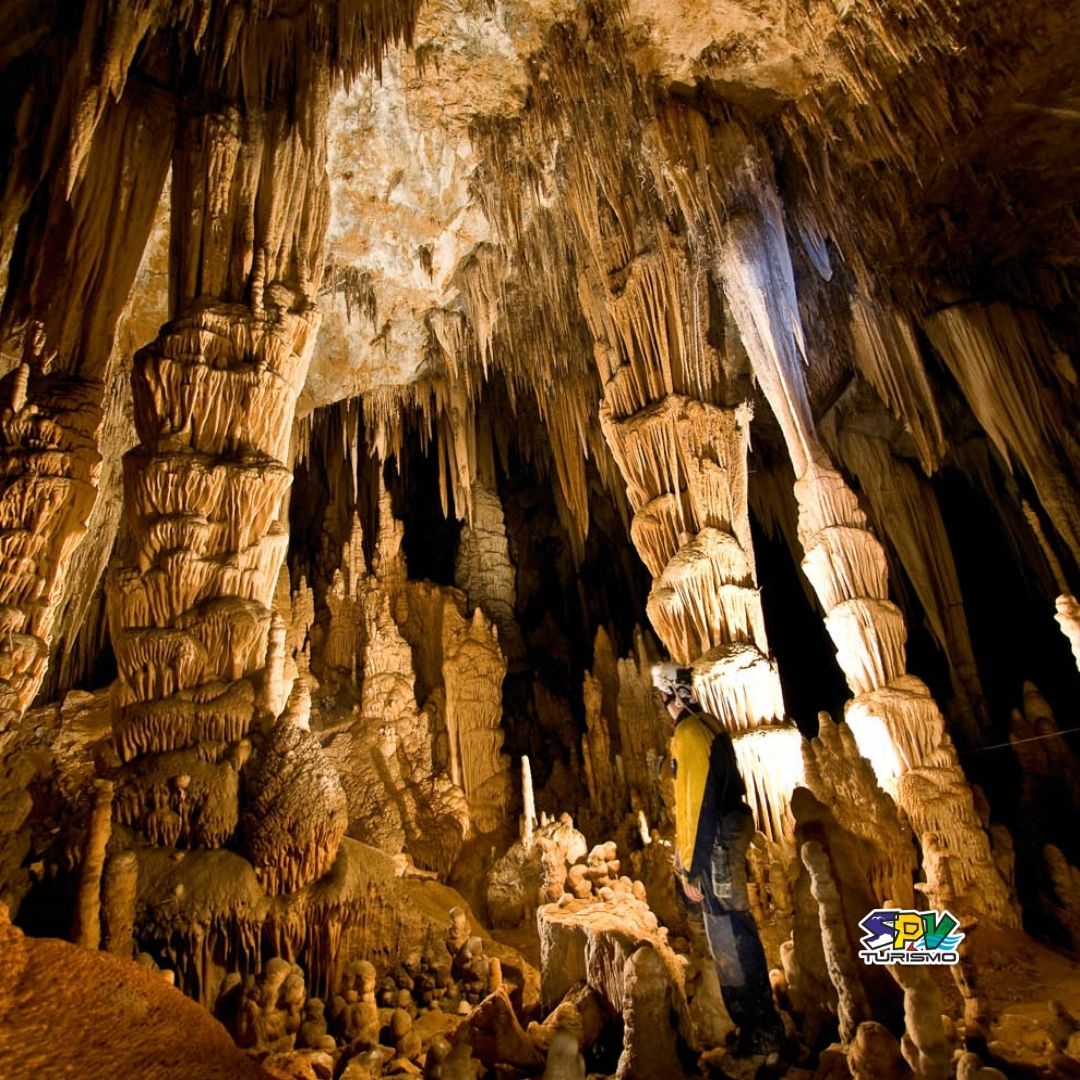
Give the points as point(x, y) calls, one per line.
point(386, 386)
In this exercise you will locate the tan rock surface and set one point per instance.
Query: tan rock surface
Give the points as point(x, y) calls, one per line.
point(68, 1011)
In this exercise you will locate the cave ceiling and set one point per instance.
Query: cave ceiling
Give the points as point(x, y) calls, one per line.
point(933, 188)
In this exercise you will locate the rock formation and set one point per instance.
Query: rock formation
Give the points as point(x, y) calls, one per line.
point(385, 385)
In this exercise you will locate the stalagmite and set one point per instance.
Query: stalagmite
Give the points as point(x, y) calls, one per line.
point(925, 1045)
point(294, 808)
point(529, 821)
point(649, 1051)
point(484, 570)
point(1068, 609)
point(839, 957)
point(88, 917)
point(843, 780)
point(473, 671)
point(874, 1053)
point(621, 711)
point(119, 896)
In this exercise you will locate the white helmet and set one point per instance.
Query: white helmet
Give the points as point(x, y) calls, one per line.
point(673, 681)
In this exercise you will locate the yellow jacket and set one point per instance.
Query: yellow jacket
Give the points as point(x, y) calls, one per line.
point(707, 787)
point(690, 751)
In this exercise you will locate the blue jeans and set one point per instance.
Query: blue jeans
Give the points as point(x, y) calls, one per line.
point(733, 936)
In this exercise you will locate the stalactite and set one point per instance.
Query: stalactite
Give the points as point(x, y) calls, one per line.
point(887, 354)
point(1000, 357)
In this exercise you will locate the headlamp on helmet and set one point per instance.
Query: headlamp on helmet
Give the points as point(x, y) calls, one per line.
point(671, 681)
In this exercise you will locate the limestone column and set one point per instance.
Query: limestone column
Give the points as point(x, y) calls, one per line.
point(77, 255)
point(201, 674)
point(894, 718)
point(673, 410)
point(684, 459)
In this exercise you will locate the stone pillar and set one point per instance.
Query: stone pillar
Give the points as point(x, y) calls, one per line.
point(894, 718)
point(205, 496)
point(684, 460)
point(78, 253)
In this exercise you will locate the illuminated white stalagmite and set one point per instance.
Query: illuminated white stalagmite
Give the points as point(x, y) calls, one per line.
point(529, 800)
point(1068, 618)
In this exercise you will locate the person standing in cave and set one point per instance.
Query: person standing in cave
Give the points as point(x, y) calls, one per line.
point(713, 829)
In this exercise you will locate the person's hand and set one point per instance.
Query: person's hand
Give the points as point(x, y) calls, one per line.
point(693, 893)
